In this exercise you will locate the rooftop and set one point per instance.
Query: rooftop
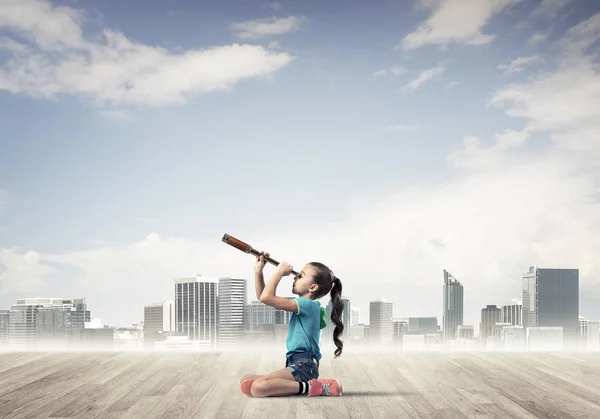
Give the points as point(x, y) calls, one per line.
point(197, 385)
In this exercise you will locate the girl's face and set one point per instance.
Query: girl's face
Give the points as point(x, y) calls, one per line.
point(304, 281)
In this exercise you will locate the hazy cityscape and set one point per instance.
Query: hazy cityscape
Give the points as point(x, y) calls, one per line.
point(440, 157)
point(213, 315)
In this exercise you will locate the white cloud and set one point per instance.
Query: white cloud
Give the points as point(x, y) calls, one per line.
point(396, 70)
point(516, 65)
point(565, 100)
point(455, 21)
point(537, 37)
point(259, 28)
point(51, 28)
point(23, 272)
point(581, 37)
point(424, 76)
point(549, 8)
point(112, 69)
point(12, 46)
point(475, 157)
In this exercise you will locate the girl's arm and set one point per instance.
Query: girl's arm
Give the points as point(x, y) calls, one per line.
point(268, 296)
point(259, 280)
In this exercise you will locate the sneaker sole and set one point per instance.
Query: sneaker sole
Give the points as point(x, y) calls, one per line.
point(245, 387)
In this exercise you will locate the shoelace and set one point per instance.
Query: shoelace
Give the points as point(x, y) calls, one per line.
point(326, 391)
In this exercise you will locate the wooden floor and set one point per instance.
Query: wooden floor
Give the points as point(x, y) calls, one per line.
point(378, 385)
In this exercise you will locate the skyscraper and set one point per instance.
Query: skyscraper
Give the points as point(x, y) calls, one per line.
point(512, 312)
point(47, 322)
point(381, 327)
point(4, 327)
point(354, 316)
point(529, 281)
point(231, 308)
point(196, 308)
point(551, 299)
point(490, 315)
point(159, 317)
point(258, 313)
point(346, 316)
point(453, 306)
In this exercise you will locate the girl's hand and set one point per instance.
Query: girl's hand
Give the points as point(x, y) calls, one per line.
point(285, 269)
point(260, 262)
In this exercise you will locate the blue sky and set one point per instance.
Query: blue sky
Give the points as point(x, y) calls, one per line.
point(371, 136)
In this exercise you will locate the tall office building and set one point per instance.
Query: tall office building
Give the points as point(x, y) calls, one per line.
point(593, 336)
point(22, 332)
point(258, 313)
point(346, 314)
point(465, 332)
point(4, 327)
point(529, 288)
point(231, 307)
point(422, 325)
point(512, 312)
point(399, 329)
point(453, 306)
point(159, 317)
point(582, 330)
point(551, 299)
point(47, 322)
point(354, 316)
point(196, 308)
point(418, 325)
point(490, 315)
point(381, 327)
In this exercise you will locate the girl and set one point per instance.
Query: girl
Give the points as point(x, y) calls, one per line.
point(301, 372)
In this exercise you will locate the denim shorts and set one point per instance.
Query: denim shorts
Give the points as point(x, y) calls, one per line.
point(303, 367)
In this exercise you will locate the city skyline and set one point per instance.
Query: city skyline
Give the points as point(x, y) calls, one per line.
point(214, 315)
point(219, 289)
point(388, 141)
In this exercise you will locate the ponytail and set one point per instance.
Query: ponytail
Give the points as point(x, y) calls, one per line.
point(336, 314)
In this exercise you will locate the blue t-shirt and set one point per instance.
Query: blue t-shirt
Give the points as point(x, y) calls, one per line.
point(304, 329)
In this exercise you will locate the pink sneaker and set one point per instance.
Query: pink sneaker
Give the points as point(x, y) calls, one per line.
point(325, 387)
point(245, 386)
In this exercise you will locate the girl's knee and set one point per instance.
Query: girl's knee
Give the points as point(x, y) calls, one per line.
point(259, 387)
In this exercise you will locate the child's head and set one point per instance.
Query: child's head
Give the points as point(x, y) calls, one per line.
point(315, 281)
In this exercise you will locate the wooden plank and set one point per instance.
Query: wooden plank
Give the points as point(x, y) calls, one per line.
point(382, 385)
point(13, 360)
point(41, 370)
point(195, 386)
point(93, 397)
point(26, 401)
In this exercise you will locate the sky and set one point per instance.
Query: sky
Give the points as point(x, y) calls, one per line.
point(387, 139)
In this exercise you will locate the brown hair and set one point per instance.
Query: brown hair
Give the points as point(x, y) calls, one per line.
point(328, 282)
